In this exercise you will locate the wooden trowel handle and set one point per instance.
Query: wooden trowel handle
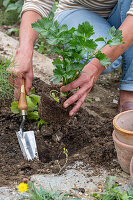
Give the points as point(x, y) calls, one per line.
point(22, 104)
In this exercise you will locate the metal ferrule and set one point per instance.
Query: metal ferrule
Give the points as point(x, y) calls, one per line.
point(23, 112)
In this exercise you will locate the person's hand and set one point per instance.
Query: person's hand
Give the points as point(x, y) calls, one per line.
point(85, 82)
point(21, 68)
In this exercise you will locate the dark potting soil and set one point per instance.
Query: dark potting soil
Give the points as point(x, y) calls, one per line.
point(86, 137)
point(54, 112)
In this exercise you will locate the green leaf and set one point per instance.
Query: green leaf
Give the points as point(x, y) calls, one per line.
point(88, 99)
point(56, 79)
point(63, 28)
point(124, 196)
point(116, 37)
point(11, 6)
point(52, 40)
point(114, 42)
point(19, 3)
point(56, 50)
point(43, 26)
point(112, 32)
point(58, 62)
point(110, 181)
point(33, 115)
point(32, 90)
point(74, 67)
point(90, 45)
point(14, 107)
point(86, 29)
point(109, 197)
point(131, 192)
point(35, 99)
point(58, 71)
point(13, 30)
point(41, 122)
point(31, 105)
point(56, 98)
point(95, 195)
point(100, 39)
point(103, 59)
point(5, 3)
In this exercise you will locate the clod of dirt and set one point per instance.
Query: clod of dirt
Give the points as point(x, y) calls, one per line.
point(50, 110)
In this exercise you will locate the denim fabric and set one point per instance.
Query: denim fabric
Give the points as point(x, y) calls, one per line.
point(116, 18)
point(101, 26)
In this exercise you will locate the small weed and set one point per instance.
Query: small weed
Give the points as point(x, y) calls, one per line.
point(40, 194)
point(13, 31)
point(113, 192)
point(52, 94)
point(6, 87)
point(89, 100)
point(10, 11)
point(65, 152)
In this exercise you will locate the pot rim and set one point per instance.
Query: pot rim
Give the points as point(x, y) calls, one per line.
point(131, 168)
point(117, 127)
point(115, 139)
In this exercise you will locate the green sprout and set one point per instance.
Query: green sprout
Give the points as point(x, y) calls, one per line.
point(65, 152)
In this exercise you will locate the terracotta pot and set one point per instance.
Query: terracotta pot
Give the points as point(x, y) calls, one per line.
point(123, 126)
point(124, 153)
point(131, 168)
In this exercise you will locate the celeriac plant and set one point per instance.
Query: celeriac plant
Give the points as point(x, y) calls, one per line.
point(70, 46)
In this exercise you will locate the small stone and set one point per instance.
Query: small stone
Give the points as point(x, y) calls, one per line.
point(100, 186)
point(57, 137)
point(25, 180)
point(115, 101)
point(91, 187)
point(82, 190)
point(97, 99)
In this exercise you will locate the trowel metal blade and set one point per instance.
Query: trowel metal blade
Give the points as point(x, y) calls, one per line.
point(27, 144)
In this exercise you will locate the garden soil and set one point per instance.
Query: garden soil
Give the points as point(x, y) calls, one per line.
point(87, 135)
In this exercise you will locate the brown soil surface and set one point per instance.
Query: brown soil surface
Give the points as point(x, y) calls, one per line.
point(87, 136)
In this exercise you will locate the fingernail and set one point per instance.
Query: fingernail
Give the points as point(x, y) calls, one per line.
point(71, 113)
point(65, 105)
point(61, 89)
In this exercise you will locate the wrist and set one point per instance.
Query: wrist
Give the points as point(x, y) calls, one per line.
point(97, 65)
point(26, 51)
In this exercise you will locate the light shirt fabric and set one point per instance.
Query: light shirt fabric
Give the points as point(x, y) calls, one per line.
point(101, 7)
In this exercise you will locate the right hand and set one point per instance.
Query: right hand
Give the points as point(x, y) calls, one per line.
point(84, 83)
point(21, 68)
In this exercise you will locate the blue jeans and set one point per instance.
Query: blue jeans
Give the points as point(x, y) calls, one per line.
point(101, 26)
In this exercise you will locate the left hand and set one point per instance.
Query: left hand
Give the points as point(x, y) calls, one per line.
point(85, 82)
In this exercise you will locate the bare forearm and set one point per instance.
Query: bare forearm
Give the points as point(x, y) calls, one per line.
point(127, 33)
point(114, 52)
point(27, 35)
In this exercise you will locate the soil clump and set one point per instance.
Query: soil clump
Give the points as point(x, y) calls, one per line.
point(50, 108)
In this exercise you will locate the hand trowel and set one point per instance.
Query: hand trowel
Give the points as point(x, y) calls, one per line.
point(26, 139)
